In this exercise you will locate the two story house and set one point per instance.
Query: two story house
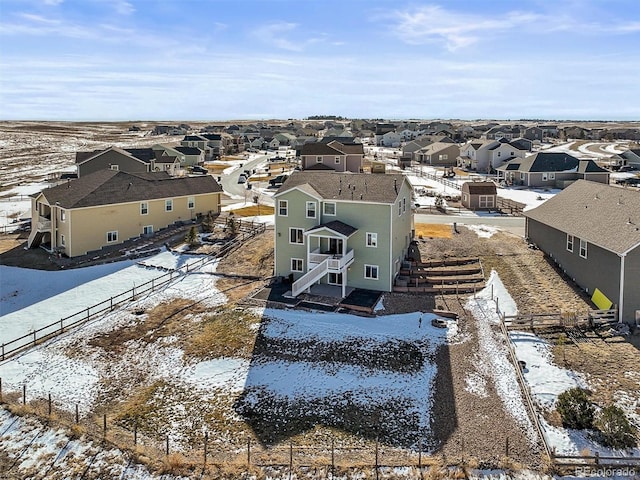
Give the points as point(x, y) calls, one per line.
point(342, 229)
point(487, 155)
point(592, 231)
point(108, 207)
point(127, 160)
point(438, 154)
point(332, 156)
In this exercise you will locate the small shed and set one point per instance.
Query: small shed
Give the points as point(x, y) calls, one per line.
point(479, 195)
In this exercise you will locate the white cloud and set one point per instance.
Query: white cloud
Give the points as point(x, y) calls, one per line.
point(274, 34)
point(434, 24)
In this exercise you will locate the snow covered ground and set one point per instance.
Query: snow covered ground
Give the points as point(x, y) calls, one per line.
point(545, 379)
point(32, 299)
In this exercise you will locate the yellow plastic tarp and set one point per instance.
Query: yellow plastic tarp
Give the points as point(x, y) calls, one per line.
point(600, 300)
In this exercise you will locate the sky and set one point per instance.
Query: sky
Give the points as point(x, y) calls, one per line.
point(267, 59)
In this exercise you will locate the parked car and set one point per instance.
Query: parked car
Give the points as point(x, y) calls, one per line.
point(242, 178)
point(627, 168)
point(634, 181)
point(277, 181)
point(199, 169)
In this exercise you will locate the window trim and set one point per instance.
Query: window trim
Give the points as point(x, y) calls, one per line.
point(291, 230)
point(314, 208)
point(112, 236)
point(371, 268)
point(168, 205)
point(301, 260)
point(63, 215)
point(62, 242)
point(583, 247)
point(191, 203)
point(570, 242)
point(324, 209)
point(145, 227)
point(283, 205)
point(371, 239)
point(337, 160)
point(144, 208)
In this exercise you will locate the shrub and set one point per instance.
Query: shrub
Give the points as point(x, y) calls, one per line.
point(575, 408)
point(615, 429)
point(192, 237)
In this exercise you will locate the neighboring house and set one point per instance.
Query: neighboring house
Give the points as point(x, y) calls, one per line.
point(592, 231)
point(503, 131)
point(533, 134)
point(108, 207)
point(390, 139)
point(629, 157)
point(479, 195)
point(191, 156)
point(197, 141)
point(487, 155)
point(333, 156)
point(130, 160)
point(438, 154)
point(553, 170)
point(344, 229)
point(410, 148)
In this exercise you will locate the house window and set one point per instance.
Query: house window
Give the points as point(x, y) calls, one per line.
point(337, 159)
point(283, 207)
point(399, 207)
point(191, 203)
point(168, 205)
point(521, 175)
point(371, 272)
point(329, 208)
point(372, 239)
point(114, 167)
point(570, 242)
point(545, 177)
point(552, 175)
point(63, 215)
point(311, 209)
point(296, 264)
point(112, 236)
point(583, 248)
point(318, 159)
point(443, 157)
point(147, 230)
point(296, 235)
point(404, 205)
point(335, 278)
point(61, 240)
point(499, 153)
point(144, 208)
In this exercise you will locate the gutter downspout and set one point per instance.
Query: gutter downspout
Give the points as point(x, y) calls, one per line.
point(621, 295)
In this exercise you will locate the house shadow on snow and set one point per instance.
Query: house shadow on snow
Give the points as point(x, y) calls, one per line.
point(276, 405)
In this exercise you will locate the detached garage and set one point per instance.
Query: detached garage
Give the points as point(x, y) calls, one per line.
point(479, 195)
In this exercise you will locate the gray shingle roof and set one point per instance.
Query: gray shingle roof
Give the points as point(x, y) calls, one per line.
point(367, 187)
point(107, 187)
point(338, 227)
point(601, 214)
point(317, 148)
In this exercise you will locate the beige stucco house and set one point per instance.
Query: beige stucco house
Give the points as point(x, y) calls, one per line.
point(108, 207)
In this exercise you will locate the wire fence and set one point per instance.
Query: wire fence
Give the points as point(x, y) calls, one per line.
point(53, 329)
point(206, 449)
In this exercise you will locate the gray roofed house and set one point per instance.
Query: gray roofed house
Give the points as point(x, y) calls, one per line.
point(110, 206)
point(592, 231)
point(125, 159)
point(550, 169)
point(335, 155)
point(342, 230)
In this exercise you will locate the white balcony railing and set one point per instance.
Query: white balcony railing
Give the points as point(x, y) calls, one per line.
point(335, 262)
point(43, 225)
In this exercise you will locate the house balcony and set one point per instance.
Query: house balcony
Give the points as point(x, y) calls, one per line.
point(43, 225)
point(335, 262)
